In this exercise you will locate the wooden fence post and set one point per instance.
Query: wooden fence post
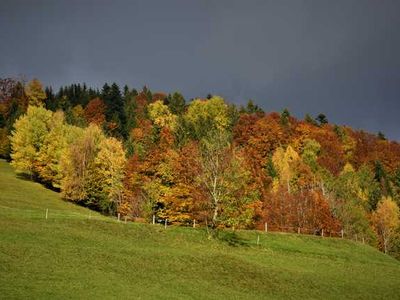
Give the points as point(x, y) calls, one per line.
point(258, 239)
point(47, 212)
point(266, 227)
point(298, 230)
point(125, 219)
point(342, 232)
point(194, 223)
point(322, 233)
point(154, 219)
point(119, 216)
point(165, 223)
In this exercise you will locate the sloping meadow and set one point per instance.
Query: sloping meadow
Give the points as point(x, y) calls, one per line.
point(76, 253)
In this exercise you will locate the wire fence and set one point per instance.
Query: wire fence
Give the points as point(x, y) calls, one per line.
point(51, 213)
point(358, 237)
point(304, 230)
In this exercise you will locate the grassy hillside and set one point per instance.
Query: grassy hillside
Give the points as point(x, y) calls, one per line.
point(70, 255)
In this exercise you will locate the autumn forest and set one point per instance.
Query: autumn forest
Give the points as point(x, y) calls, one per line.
point(151, 156)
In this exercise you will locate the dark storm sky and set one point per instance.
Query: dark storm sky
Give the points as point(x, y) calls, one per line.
point(337, 57)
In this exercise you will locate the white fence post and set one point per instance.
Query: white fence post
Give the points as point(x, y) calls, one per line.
point(47, 213)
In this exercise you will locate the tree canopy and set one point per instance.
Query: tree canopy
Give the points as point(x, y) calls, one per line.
point(143, 154)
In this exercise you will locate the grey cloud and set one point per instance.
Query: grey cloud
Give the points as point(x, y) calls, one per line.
point(337, 57)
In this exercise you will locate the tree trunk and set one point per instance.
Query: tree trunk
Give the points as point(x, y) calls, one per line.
point(385, 244)
point(215, 214)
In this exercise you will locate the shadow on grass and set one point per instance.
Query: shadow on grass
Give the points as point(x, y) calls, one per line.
point(229, 237)
point(27, 177)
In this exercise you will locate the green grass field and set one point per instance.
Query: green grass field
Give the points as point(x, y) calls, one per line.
point(70, 255)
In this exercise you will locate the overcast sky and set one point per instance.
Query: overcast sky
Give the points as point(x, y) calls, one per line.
point(341, 58)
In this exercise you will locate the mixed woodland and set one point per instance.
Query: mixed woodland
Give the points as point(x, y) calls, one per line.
point(149, 155)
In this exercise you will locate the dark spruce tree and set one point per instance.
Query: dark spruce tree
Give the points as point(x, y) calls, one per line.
point(129, 109)
point(93, 93)
point(285, 115)
point(73, 95)
point(176, 103)
point(381, 136)
point(146, 91)
point(322, 119)
point(51, 101)
point(115, 113)
point(252, 108)
point(382, 178)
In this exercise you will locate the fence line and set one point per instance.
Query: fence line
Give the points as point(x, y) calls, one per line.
point(48, 213)
point(304, 230)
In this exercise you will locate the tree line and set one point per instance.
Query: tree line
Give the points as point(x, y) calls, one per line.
point(144, 154)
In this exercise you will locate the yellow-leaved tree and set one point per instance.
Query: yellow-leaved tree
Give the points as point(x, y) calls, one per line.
point(55, 144)
point(93, 169)
point(204, 116)
point(35, 93)
point(161, 115)
point(27, 139)
point(79, 183)
point(386, 221)
point(110, 165)
point(38, 142)
point(285, 164)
